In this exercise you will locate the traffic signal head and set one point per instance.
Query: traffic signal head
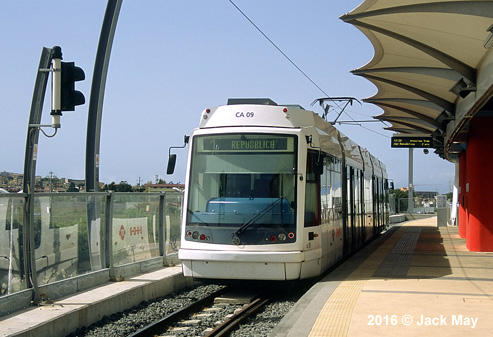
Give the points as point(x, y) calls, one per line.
point(69, 96)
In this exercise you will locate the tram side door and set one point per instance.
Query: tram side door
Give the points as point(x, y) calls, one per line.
point(358, 220)
point(349, 230)
point(376, 205)
point(312, 228)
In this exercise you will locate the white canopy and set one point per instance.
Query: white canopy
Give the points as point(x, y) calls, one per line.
point(432, 65)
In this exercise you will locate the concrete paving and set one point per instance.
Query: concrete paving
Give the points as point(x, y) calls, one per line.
point(417, 279)
point(85, 308)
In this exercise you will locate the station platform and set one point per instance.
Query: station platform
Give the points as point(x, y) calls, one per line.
point(415, 279)
point(65, 315)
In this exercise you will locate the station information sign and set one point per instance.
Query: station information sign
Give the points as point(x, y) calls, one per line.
point(411, 141)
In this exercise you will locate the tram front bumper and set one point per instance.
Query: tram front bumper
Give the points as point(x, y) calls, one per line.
point(230, 265)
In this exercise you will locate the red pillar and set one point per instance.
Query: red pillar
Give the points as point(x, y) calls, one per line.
point(479, 162)
point(462, 196)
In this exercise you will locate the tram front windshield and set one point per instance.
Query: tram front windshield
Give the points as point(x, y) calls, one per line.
point(243, 183)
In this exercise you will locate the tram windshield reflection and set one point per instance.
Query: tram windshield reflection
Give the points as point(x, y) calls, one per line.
point(235, 178)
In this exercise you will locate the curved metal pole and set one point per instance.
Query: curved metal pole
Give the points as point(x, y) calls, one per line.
point(97, 94)
point(98, 254)
point(29, 259)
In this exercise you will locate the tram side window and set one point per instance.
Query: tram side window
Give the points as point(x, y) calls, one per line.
point(314, 168)
point(386, 200)
point(330, 189)
point(336, 183)
point(325, 191)
point(368, 195)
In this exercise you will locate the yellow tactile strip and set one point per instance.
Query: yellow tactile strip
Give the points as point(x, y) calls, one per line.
point(335, 317)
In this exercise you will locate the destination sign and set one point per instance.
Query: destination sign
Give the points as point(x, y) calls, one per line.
point(264, 144)
point(417, 142)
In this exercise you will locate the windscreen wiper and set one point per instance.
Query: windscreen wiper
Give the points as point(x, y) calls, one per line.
point(258, 216)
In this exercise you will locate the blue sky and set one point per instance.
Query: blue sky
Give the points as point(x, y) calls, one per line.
point(172, 59)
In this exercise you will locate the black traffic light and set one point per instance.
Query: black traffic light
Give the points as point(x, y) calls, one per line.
point(69, 96)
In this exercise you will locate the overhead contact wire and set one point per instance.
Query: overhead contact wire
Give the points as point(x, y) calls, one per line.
point(294, 64)
point(279, 49)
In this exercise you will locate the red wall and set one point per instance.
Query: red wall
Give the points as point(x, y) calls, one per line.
point(462, 196)
point(479, 175)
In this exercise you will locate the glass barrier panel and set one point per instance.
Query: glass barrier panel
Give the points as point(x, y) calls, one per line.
point(135, 227)
point(172, 221)
point(64, 247)
point(418, 205)
point(12, 274)
point(94, 233)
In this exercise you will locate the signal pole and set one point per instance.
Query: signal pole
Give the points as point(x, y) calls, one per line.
point(50, 62)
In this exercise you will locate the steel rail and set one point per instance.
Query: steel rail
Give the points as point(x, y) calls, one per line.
point(231, 323)
point(158, 326)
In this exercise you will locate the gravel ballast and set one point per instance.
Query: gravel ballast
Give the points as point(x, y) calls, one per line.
point(129, 321)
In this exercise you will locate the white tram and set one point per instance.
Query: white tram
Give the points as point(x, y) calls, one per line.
point(276, 193)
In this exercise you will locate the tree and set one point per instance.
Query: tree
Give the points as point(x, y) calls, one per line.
point(399, 194)
point(123, 186)
point(110, 187)
point(72, 188)
point(139, 188)
point(401, 206)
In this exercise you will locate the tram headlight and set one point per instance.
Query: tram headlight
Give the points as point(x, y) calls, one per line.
point(195, 235)
point(282, 237)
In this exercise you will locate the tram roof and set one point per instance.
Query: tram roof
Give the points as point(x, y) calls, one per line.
point(432, 65)
point(268, 113)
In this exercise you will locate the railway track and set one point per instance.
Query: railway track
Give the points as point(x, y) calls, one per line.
point(226, 300)
point(231, 323)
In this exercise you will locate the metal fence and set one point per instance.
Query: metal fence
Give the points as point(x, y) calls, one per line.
point(417, 206)
point(79, 240)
